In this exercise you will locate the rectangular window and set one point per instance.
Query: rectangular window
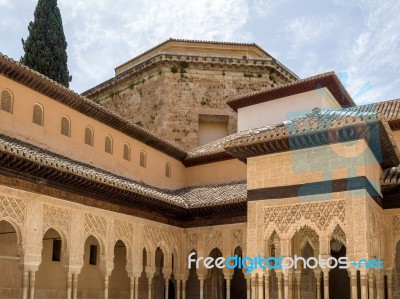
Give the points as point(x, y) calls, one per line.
point(56, 250)
point(93, 255)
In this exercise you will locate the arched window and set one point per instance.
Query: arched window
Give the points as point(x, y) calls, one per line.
point(108, 144)
point(6, 101)
point(143, 159)
point(127, 152)
point(168, 170)
point(89, 136)
point(37, 117)
point(66, 126)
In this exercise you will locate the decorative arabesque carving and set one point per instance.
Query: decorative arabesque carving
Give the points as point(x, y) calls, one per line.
point(338, 239)
point(123, 229)
point(56, 216)
point(157, 236)
point(213, 240)
point(307, 234)
point(191, 241)
point(237, 237)
point(320, 213)
point(13, 208)
point(375, 228)
point(95, 224)
point(396, 227)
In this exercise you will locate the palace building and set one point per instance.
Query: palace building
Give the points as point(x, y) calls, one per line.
point(210, 148)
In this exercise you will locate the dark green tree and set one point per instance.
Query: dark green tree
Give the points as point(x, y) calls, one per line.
point(46, 48)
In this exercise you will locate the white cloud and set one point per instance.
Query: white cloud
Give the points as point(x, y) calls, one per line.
point(374, 58)
point(266, 7)
point(114, 31)
point(304, 31)
point(5, 2)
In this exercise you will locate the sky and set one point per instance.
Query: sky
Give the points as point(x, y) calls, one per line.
point(358, 39)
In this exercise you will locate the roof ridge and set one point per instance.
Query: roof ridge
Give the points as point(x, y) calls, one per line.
point(92, 104)
point(191, 41)
point(321, 75)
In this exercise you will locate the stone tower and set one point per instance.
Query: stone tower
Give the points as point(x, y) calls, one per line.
point(179, 88)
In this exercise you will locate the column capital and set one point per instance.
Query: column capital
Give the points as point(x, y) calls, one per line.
point(182, 277)
point(167, 272)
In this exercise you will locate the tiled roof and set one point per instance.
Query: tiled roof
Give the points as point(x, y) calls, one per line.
point(389, 109)
point(36, 81)
point(328, 80)
point(390, 176)
point(219, 194)
point(46, 158)
point(192, 41)
point(190, 197)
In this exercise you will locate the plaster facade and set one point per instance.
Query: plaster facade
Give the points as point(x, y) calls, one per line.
point(83, 221)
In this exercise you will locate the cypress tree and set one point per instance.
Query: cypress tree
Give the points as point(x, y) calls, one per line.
point(45, 48)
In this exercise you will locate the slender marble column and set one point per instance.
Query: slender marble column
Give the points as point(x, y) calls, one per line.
point(228, 288)
point(136, 287)
point(32, 284)
point(286, 285)
point(74, 286)
point(353, 284)
point(69, 285)
point(105, 287)
point(150, 279)
point(184, 289)
point(25, 284)
point(371, 292)
point(248, 288)
point(280, 287)
point(364, 284)
point(201, 289)
point(390, 284)
point(253, 286)
point(290, 284)
point(326, 283)
point(266, 284)
point(260, 286)
point(380, 286)
point(166, 288)
point(297, 276)
point(178, 291)
point(318, 284)
point(132, 287)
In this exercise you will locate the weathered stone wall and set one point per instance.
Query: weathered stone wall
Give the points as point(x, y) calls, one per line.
point(168, 97)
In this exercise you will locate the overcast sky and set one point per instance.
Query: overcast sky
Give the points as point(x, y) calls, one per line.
point(359, 39)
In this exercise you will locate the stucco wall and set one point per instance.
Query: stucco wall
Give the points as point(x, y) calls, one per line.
point(323, 163)
point(19, 125)
point(276, 111)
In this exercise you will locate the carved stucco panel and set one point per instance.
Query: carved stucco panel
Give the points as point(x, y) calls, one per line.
point(13, 208)
point(319, 214)
point(54, 216)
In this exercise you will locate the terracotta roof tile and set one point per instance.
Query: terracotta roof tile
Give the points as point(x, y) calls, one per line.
point(328, 80)
point(36, 81)
point(198, 196)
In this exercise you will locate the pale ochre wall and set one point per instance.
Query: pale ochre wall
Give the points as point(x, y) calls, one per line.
point(51, 274)
point(90, 277)
point(276, 111)
point(8, 258)
point(19, 125)
point(328, 162)
point(214, 173)
point(396, 136)
point(209, 132)
point(119, 279)
point(201, 49)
